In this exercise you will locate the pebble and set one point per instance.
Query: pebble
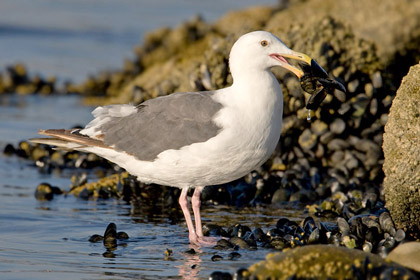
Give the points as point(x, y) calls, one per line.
point(318, 127)
point(337, 144)
point(216, 258)
point(337, 126)
point(352, 86)
point(307, 140)
point(326, 138)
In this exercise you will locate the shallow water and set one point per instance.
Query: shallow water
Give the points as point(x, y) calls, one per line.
point(49, 240)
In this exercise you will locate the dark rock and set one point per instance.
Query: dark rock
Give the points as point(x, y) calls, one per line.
point(218, 275)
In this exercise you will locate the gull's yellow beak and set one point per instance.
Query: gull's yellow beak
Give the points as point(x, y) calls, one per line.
point(293, 55)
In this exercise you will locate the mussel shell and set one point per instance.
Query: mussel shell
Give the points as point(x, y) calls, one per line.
point(110, 232)
point(343, 226)
point(314, 237)
point(331, 84)
point(317, 70)
point(316, 82)
point(313, 70)
point(316, 99)
point(308, 83)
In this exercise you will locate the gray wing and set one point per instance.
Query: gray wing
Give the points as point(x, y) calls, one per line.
point(163, 123)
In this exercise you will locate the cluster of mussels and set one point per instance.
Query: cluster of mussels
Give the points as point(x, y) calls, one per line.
point(111, 239)
point(370, 233)
point(48, 160)
point(360, 219)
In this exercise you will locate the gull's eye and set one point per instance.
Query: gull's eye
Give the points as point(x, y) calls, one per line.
point(264, 43)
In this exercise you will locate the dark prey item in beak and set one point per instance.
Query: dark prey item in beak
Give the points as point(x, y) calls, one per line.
point(315, 81)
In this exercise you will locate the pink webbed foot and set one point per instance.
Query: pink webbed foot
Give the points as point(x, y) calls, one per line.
point(203, 241)
point(195, 233)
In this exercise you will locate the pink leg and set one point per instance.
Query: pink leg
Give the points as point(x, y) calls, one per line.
point(183, 201)
point(195, 234)
point(196, 203)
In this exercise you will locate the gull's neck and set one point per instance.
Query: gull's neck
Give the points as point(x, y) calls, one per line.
point(257, 87)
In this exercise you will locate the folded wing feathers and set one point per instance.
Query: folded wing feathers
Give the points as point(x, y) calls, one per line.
point(66, 138)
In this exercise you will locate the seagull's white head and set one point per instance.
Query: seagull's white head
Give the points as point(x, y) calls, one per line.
point(261, 50)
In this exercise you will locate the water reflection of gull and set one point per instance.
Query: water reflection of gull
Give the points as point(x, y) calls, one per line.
point(190, 269)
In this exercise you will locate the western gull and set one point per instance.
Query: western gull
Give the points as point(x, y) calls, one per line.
point(195, 139)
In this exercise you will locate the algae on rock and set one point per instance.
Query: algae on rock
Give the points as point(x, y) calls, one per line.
point(323, 262)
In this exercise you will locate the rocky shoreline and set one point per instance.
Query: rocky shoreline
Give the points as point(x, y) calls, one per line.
point(333, 163)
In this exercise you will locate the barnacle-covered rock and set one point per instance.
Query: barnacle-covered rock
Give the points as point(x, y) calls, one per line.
point(402, 154)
